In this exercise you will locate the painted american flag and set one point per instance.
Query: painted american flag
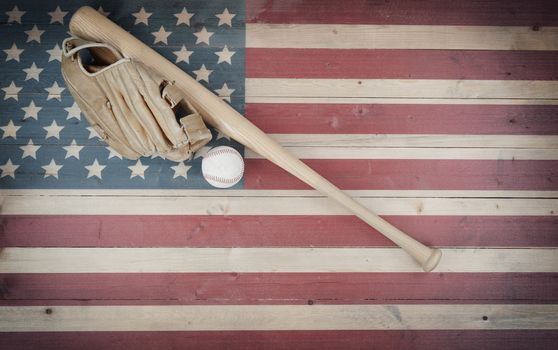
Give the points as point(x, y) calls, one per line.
point(441, 117)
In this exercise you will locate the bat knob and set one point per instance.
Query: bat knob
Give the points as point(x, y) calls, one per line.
point(432, 260)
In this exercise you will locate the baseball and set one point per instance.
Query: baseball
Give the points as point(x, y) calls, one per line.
point(222, 167)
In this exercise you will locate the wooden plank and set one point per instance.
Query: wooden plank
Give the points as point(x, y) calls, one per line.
point(417, 140)
point(116, 260)
point(401, 64)
point(376, 140)
point(277, 288)
point(136, 205)
point(346, 149)
point(441, 119)
point(360, 36)
point(277, 193)
point(462, 12)
point(299, 339)
point(345, 153)
point(276, 317)
point(271, 231)
point(402, 88)
point(399, 101)
point(411, 174)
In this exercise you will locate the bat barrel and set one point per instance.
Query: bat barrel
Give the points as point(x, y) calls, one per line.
point(89, 24)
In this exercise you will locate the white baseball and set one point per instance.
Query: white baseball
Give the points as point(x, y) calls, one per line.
point(222, 167)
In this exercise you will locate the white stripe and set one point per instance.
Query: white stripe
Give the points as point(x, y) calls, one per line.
point(417, 140)
point(269, 205)
point(416, 153)
point(192, 260)
point(275, 317)
point(402, 88)
point(354, 36)
point(279, 193)
point(375, 100)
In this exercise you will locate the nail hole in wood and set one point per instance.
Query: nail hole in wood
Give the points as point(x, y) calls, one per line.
point(48, 311)
point(485, 318)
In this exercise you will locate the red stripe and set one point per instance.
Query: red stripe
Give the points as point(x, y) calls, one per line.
point(271, 231)
point(284, 340)
point(411, 174)
point(404, 119)
point(401, 64)
point(460, 12)
point(277, 288)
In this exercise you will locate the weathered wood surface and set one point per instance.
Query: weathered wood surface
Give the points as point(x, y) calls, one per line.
point(443, 119)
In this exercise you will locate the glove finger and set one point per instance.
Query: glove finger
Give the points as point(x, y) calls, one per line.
point(164, 115)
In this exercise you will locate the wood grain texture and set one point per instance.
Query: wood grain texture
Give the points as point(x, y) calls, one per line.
point(359, 36)
point(402, 88)
point(402, 101)
point(271, 231)
point(77, 204)
point(277, 317)
point(462, 12)
point(28, 289)
point(348, 153)
point(285, 340)
point(417, 140)
point(401, 64)
point(414, 174)
point(117, 260)
point(355, 118)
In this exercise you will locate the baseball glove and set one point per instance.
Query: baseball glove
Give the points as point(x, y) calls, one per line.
point(130, 106)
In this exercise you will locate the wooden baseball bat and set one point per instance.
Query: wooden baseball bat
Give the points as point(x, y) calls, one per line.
point(89, 24)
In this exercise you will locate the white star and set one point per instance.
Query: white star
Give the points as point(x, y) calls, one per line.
point(33, 72)
point(220, 135)
point(183, 17)
point(203, 36)
point(55, 91)
point(8, 169)
point(92, 133)
point(31, 111)
point(161, 35)
point(225, 18)
point(138, 170)
point(113, 153)
point(55, 53)
point(225, 92)
point(52, 169)
point(142, 16)
point(11, 91)
point(102, 11)
point(15, 15)
point(13, 53)
point(34, 34)
point(202, 152)
point(183, 55)
point(95, 169)
point(30, 150)
point(181, 170)
point(202, 73)
point(10, 130)
point(57, 15)
point(53, 130)
point(72, 150)
point(225, 55)
point(73, 112)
